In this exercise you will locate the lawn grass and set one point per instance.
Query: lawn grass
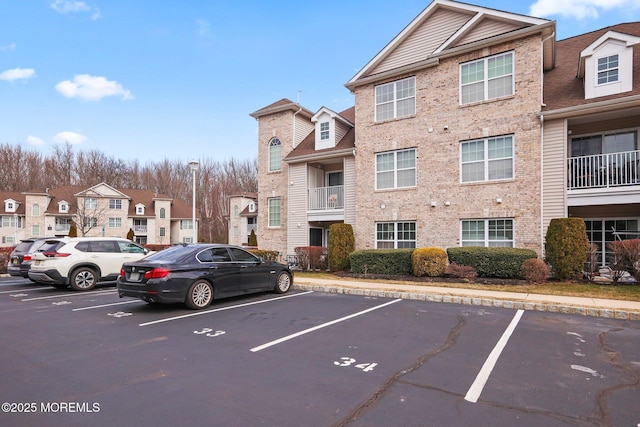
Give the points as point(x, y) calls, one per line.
point(626, 292)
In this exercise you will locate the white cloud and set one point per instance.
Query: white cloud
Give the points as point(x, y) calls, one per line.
point(578, 9)
point(10, 46)
point(70, 137)
point(68, 6)
point(92, 88)
point(34, 140)
point(17, 74)
point(73, 6)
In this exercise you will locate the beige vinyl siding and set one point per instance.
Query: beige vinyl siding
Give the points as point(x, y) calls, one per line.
point(302, 127)
point(424, 40)
point(487, 28)
point(341, 130)
point(297, 208)
point(554, 185)
point(350, 191)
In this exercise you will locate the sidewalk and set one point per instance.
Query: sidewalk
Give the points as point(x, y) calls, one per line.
point(606, 308)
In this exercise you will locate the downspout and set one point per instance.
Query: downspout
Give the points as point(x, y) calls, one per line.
point(293, 145)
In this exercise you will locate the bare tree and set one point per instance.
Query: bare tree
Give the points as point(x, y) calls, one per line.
point(89, 214)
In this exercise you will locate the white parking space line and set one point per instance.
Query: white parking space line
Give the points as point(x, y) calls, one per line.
point(70, 294)
point(478, 385)
point(198, 313)
point(25, 290)
point(106, 305)
point(324, 325)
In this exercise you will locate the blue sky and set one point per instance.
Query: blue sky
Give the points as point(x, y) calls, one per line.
point(155, 80)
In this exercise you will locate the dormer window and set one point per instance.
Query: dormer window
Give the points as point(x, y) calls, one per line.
point(324, 131)
point(606, 65)
point(252, 207)
point(10, 205)
point(140, 209)
point(608, 69)
point(63, 207)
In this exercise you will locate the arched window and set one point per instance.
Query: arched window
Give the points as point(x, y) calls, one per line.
point(163, 213)
point(235, 211)
point(275, 156)
point(35, 210)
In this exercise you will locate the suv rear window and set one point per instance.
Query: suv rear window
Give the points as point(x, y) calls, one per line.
point(50, 246)
point(23, 246)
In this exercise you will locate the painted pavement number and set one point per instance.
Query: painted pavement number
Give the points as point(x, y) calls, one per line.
point(208, 332)
point(349, 361)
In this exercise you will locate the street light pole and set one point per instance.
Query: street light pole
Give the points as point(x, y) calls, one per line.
point(194, 166)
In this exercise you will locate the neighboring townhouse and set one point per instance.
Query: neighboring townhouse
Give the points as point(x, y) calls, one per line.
point(243, 218)
point(591, 119)
point(442, 148)
point(100, 210)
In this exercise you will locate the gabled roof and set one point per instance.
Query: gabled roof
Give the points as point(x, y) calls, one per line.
point(446, 28)
point(333, 115)
point(624, 39)
point(306, 149)
point(19, 198)
point(101, 190)
point(562, 87)
point(279, 106)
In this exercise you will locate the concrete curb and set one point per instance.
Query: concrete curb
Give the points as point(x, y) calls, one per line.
point(478, 301)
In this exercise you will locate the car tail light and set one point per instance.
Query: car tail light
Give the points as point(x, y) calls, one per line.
point(27, 257)
point(122, 274)
point(54, 254)
point(157, 273)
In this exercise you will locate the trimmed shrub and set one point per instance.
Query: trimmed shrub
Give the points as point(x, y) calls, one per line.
point(535, 270)
point(566, 246)
point(502, 263)
point(430, 261)
point(266, 255)
point(382, 261)
point(253, 239)
point(341, 244)
point(73, 230)
point(461, 271)
point(311, 257)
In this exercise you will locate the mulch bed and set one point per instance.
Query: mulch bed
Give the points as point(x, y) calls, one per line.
point(427, 279)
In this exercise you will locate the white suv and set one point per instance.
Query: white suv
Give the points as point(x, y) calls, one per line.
point(82, 262)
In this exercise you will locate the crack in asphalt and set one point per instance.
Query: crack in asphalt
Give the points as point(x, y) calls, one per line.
point(365, 406)
point(602, 414)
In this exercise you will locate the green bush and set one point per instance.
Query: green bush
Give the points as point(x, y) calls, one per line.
point(341, 244)
point(429, 262)
point(266, 255)
point(566, 246)
point(504, 263)
point(253, 239)
point(382, 261)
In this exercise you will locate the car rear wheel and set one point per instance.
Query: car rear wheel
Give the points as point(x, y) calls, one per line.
point(83, 279)
point(200, 295)
point(283, 282)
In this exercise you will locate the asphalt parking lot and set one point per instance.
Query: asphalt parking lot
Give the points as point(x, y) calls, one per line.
point(308, 359)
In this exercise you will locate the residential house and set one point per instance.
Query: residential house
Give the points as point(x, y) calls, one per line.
point(243, 215)
point(100, 210)
point(472, 127)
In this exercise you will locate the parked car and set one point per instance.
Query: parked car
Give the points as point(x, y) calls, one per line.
point(20, 258)
point(82, 262)
point(195, 274)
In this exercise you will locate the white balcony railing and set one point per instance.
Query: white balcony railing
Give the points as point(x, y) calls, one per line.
point(139, 228)
point(604, 170)
point(326, 198)
point(62, 228)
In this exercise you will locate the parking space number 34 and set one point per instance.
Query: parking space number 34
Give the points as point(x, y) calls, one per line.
point(349, 361)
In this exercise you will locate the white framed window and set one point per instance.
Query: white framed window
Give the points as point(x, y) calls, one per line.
point(487, 78)
point(275, 155)
point(10, 206)
point(35, 210)
point(186, 224)
point(63, 207)
point(487, 232)
point(91, 203)
point(115, 204)
point(324, 131)
point(396, 169)
point(396, 99)
point(236, 231)
point(140, 210)
point(35, 230)
point(236, 211)
point(89, 222)
point(163, 231)
point(163, 212)
point(115, 222)
point(608, 69)
point(8, 239)
point(488, 159)
point(11, 221)
point(274, 212)
point(395, 235)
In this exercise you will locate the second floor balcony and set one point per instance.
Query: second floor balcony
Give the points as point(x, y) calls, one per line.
point(603, 171)
point(326, 198)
